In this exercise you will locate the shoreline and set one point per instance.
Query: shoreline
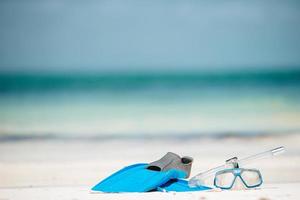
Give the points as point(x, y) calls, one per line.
point(8, 137)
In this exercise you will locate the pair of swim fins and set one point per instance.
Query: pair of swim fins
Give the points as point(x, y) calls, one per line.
point(166, 174)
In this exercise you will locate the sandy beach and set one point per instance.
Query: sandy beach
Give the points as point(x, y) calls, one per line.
point(67, 169)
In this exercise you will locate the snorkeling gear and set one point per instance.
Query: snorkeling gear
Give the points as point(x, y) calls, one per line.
point(168, 174)
point(231, 169)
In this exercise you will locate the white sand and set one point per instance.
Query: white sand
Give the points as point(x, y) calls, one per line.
point(268, 191)
point(55, 169)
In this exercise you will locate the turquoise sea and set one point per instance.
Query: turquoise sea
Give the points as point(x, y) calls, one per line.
point(141, 104)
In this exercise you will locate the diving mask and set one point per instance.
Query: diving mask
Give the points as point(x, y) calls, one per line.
point(237, 178)
point(225, 176)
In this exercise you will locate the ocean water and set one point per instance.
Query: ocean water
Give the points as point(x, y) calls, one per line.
point(149, 104)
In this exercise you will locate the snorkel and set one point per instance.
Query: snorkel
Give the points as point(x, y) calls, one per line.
point(202, 178)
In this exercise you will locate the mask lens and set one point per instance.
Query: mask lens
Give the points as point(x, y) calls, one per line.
point(251, 177)
point(224, 179)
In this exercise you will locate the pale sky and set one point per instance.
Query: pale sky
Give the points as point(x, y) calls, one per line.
point(139, 34)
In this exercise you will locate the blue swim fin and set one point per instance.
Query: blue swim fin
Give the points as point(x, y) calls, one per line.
point(179, 185)
point(136, 178)
point(146, 177)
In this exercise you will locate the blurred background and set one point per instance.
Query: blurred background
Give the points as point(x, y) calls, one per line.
point(87, 87)
point(148, 68)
